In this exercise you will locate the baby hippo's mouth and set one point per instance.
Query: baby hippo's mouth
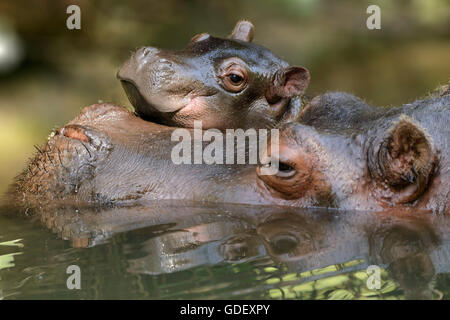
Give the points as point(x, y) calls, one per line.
point(158, 113)
point(164, 88)
point(192, 105)
point(139, 103)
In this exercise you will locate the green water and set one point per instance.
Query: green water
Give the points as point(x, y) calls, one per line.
point(187, 251)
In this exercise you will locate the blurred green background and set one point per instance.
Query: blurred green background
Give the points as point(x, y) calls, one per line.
point(48, 73)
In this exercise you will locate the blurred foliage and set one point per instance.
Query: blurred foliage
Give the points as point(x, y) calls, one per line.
point(57, 71)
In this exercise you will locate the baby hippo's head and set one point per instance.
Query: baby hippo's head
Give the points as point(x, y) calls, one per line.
point(225, 83)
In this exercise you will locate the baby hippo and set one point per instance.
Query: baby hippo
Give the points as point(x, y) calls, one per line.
point(349, 155)
point(225, 83)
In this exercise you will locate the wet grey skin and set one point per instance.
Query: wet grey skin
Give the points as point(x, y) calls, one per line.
point(345, 154)
point(225, 83)
point(107, 155)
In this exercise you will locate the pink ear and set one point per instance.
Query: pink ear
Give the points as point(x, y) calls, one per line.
point(288, 82)
point(296, 81)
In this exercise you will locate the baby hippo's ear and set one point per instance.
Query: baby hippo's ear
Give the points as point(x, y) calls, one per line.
point(244, 31)
point(287, 83)
point(407, 160)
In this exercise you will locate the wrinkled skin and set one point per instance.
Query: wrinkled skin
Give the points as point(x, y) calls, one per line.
point(365, 159)
point(225, 83)
point(108, 155)
point(349, 155)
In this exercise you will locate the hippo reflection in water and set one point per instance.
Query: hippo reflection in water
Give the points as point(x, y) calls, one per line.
point(343, 154)
point(167, 237)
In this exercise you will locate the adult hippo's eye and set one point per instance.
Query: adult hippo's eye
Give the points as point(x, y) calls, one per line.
point(236, 79)
point(287, 175)
point(285, 170)
point(285, 167)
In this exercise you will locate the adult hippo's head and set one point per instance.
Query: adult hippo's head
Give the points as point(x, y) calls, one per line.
point(226, 83)
point(396, 158)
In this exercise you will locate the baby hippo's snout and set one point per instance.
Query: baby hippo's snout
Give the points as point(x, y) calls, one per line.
point(154, 82)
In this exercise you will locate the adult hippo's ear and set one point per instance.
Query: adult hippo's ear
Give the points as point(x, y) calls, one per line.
point(406, 160)
point(244, 31)
point(287, 83)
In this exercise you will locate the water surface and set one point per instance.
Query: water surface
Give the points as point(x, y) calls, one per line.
point(179, 250)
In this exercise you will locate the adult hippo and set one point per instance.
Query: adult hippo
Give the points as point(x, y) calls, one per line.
point(345, 154)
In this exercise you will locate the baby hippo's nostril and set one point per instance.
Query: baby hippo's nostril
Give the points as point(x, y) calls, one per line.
point(73, 131)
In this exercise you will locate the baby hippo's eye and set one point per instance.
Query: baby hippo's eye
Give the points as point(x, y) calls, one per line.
point(233, 75)
point(234, 81)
